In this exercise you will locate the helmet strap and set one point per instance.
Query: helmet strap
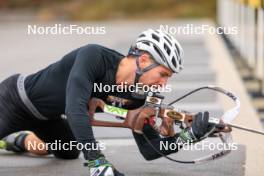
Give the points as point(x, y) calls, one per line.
point(140, 72)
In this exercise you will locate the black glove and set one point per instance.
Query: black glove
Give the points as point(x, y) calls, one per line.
point(200, 128)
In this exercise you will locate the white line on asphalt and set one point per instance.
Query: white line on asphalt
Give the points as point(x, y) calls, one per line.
point(118, 142)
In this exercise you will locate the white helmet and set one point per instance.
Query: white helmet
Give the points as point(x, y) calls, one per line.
point(164, 48)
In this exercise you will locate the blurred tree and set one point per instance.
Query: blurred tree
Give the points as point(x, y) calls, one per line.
point(117, 9)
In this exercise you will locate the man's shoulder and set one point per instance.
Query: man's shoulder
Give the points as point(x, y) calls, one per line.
point(93, 47)
point(108, 57)
point(101, 48)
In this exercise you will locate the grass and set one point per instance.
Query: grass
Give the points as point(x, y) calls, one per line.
point(117, 9)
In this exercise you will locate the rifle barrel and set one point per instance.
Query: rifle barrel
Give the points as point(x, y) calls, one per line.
point(246, 129)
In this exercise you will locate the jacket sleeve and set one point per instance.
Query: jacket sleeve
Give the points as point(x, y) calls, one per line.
point(88, 67)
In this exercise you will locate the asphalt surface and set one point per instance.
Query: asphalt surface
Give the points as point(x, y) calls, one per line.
point(127, 159)
point(22, 53)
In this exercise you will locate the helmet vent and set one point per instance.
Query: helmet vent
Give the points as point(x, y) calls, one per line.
point(154, 36)
point(180, 62)
point(142, 35)
point(146, 43)
point(158, 51)
point(168, 36)
point(168, 40)
point(167, 49)
point(173, 61)
point(178, 51)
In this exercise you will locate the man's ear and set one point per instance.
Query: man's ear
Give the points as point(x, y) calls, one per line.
point(144, 60)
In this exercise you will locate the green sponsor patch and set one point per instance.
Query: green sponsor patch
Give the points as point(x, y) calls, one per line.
point(2, 144)
point(115, 111)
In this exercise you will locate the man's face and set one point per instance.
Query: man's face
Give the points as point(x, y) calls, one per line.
point(157, 76)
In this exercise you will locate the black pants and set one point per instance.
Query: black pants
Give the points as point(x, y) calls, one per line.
point(14, 117)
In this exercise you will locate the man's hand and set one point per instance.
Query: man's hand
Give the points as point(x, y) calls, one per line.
point(166, 128)
point(93, 104)
point(200, 128)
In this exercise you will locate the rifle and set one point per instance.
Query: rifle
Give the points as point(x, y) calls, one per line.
point(170, 116)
